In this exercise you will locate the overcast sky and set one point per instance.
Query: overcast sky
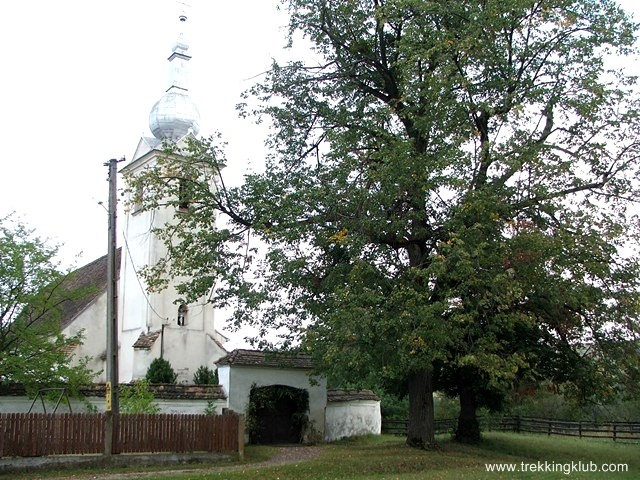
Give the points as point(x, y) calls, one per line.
point(78, 79)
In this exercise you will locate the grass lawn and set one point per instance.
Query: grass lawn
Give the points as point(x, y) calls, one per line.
point(387, 457)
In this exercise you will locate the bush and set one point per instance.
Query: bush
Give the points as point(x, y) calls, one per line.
point(393, 406)
point(205, 376)
point(210, 409)
point(137, 398)
point(160, 371)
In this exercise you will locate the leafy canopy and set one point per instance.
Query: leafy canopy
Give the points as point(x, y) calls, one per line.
point(33, 293)
point(450, 186)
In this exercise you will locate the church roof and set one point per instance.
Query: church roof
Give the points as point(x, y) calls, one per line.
point(91, 278)
point(146, 145)
point(146, 340)
point(257, 358)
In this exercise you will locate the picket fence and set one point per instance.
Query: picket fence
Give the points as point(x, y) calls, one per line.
point(41, 434)
point(623, 431)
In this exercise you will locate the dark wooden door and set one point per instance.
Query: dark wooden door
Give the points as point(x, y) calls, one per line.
point(275, 424)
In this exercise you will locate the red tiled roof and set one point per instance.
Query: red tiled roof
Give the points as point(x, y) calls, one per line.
point(256, 358)
point(168, 391)
point(160, 391)
point(146, 341)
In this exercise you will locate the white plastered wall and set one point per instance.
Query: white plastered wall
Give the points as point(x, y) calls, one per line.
point(352, 418)
point(92, 322)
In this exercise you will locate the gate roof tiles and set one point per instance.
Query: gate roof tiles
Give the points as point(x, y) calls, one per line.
point(257, 358)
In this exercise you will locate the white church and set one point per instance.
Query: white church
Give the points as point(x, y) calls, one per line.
point(150, 325)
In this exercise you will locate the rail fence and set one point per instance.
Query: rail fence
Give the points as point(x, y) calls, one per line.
point(616, 431)
point(40, 434)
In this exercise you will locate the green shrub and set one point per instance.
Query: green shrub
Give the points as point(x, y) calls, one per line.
point(205, 376)
point(394, 406)
point(210, 409)
point(160, 371)
point(137, 398)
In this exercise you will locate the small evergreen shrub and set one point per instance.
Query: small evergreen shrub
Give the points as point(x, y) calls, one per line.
point(160, 371)
point(205, 376)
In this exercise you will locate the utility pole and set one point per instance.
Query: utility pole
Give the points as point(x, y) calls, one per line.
point(111, 396)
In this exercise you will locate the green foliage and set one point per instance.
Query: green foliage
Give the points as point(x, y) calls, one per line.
point(393, 406)
point(33, 294)
point(545, 401)
point(448, 193)
point(446, 407)
point(161, 371)
point(205, 376)
point(210, 409)
point(137, 398)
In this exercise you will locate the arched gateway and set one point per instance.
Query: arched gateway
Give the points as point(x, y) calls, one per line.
point(277, 414)
point(278, 383)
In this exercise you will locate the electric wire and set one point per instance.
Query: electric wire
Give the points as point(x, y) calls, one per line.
point(144, 292)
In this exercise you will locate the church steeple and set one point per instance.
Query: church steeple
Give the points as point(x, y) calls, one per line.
point(175, 114)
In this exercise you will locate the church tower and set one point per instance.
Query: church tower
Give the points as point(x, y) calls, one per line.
point(152, 325)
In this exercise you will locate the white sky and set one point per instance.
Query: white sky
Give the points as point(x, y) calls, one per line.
point(78, 79)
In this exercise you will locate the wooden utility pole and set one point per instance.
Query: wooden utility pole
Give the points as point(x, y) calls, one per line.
point(111, 396)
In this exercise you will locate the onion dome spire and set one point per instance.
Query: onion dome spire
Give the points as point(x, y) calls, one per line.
point(175, 114)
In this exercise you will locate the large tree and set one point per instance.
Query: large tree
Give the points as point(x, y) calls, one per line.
point(448, 197)
point(33, 291)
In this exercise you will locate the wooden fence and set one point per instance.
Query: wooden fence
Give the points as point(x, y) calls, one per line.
point(39, 434)
point(624, 431)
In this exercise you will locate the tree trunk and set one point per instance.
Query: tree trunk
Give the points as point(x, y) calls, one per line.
point(421, 428)
point(468, 429)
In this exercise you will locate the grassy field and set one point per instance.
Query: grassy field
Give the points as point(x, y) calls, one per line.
point(387, 457)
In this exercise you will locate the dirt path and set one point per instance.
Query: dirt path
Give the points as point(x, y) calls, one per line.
point(286, 455)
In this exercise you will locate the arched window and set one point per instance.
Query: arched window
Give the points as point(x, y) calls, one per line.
point(182, 315)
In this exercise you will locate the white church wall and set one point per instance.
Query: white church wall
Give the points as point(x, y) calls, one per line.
point(133, 300)
point(128, 369)
point(187, 350)
point(224, 379)
point(142, 358)
point(352, 418)
point(93, 325)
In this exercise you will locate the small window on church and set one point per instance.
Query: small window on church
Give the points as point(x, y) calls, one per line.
point(184, 195)
point(138, 199)
point(182, 315)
